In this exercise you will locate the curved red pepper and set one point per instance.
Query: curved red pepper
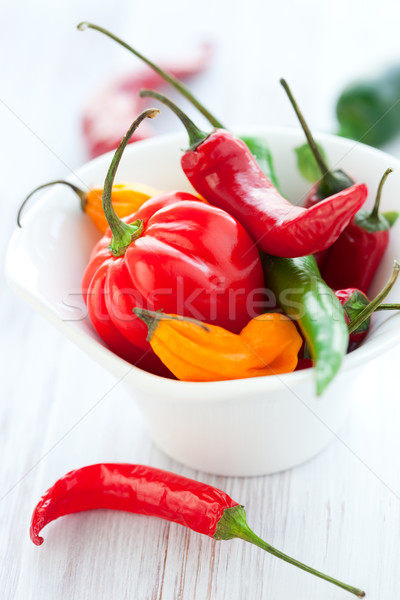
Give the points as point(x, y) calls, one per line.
point(153, 492)
point(354, 258)
point(222, 169)
point(133, 488)
point(176, 253)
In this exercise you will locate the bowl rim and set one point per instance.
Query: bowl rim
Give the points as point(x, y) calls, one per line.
point(194, 391)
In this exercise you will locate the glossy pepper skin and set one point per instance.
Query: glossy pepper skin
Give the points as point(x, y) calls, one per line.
point(126, 197)
point(190, 258)
point(196, 351)
point(175, 253)
point(133, 488)
point(153, 492)
point(223, 170)
point(300, 291)
point(354, 258)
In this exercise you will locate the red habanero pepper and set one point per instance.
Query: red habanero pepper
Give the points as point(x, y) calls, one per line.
point(148, 491)
point(330, 182)
point(222, 169)
point(359, 309)
point(175, 253)
point(353, 259)
point(107, 113)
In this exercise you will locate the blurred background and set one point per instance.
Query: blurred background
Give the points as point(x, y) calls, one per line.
point(49, 70)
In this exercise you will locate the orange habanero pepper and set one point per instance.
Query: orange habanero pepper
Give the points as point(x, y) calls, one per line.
point(126, 199)
point(196, 351)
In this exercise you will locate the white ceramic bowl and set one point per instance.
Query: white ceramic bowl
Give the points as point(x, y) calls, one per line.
point(242, 427)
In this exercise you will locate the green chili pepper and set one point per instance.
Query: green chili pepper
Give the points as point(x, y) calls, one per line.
point(369, 110)
point(256, 144)
point(304, 296)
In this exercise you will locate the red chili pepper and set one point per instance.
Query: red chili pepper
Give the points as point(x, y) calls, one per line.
point(304, 363)
point(358, 308)
point(107, 113)
point(353, 302)
point(353, 259)
point(175, 253)
point(223, 170)
point(145, 490)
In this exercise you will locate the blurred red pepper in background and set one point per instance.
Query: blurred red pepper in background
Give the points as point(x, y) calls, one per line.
point(109, 111)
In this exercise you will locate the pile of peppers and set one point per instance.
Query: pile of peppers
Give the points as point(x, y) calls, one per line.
point(235, 281)
point(232, 281)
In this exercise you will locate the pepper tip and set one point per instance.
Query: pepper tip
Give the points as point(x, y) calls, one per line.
point(36, 539)
point(82, 26)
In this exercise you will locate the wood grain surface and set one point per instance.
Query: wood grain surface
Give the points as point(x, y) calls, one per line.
point(59, 410)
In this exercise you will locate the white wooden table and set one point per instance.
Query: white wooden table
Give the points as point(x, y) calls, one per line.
point(59, 410)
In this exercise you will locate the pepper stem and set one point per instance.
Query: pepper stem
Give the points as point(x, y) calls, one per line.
point(375, 211)
point(374, 304)
point(196, 136)
point(323, 167)
point(152, 318)
point(389, 306)
point(76, 189)
point(233, 524)
point(123, 234)
point(178, 85)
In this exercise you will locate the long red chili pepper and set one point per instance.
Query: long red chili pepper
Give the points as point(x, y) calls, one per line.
point(223, 170)
point(107, 113)
point(145, 490)
point(353, 259)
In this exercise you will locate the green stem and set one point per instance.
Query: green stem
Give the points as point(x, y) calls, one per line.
point(178, 85)
point(233, 524)
point(196, 136)
point(388, 307)
point(78, 191)
point(375, 211)
point(122, 233)
point(377, 301)
point(323, 167)
point(152, 318)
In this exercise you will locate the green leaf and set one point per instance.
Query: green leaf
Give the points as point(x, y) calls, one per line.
point(391, 217)
point(306, 162)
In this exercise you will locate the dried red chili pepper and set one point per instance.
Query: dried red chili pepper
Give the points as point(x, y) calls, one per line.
point(223, 170)
point(145, 490)
point(175, 253)
point(330, 182)
point(353, 259)
point(107, 113)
